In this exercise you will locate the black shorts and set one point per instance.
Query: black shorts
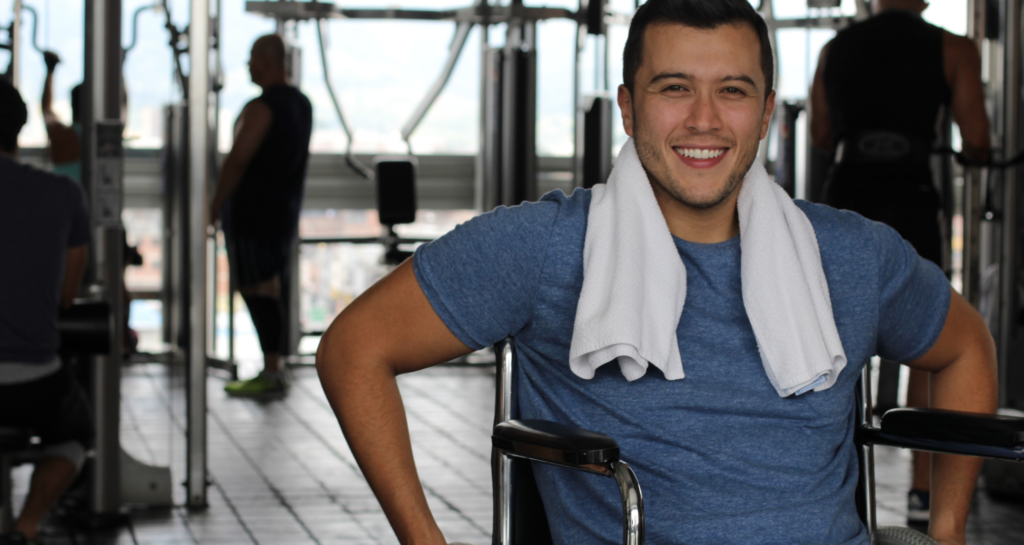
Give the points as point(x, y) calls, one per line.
point(54, 407)
point(898, 195)
point(254, 260)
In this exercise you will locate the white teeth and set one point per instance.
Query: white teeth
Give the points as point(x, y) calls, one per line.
point(698, 153)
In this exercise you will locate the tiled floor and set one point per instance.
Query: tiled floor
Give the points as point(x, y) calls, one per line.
point(282, 473)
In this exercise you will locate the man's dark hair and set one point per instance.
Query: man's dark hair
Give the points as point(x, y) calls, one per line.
point(76, 103)
point(703, 14)
point(13, 115)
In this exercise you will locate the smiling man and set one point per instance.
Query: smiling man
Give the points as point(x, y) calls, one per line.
point(731, 450)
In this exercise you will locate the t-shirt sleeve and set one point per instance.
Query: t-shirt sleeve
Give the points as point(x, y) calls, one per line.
point(80, 233)
point(914, 297)
point(482, 277)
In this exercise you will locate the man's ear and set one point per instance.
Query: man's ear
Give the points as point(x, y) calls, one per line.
point(766, 120)
point(626, 107)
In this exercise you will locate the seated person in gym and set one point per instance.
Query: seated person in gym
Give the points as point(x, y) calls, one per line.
point(259, 196)
point(44, 237)
point(718, 341)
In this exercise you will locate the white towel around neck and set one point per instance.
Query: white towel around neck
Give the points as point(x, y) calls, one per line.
point(634, 284)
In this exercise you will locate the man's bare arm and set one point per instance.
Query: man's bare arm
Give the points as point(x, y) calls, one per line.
point(963, 367)
point(74, 268)
point(389, 330)
point(64, 144)
point(250, 130)
point(817, 103)
point(963, 72)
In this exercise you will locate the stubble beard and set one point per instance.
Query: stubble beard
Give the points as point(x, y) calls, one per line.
point(658, 172)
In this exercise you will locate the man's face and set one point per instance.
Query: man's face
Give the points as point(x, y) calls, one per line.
point(698, 110)
point(257, 66)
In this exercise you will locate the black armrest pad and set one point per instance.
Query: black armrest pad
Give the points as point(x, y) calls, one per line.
point(960, 427)
point(12, 439)
point(552, 442)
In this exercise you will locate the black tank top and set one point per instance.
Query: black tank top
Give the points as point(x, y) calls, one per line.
point(268, 200)
point(887, 73)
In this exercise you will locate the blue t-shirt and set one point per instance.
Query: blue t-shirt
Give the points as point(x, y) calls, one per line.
point(720, 457)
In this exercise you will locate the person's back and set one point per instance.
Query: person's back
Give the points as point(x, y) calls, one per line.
point(44, 236)
point(268, 200)
point(879, 94)
point(886, 73)
point(41, 216)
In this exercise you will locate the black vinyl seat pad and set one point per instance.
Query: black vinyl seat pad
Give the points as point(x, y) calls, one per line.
point(554, 442)
point(13, 439)
point(981, 430)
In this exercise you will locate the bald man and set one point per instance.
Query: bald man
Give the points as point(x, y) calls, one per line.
point(258, 198)
point(877, 95)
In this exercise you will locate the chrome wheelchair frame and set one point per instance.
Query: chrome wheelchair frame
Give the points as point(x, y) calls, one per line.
point(516, 442)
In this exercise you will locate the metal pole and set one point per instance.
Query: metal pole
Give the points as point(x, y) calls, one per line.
point(1008, 258)
point(15, 37)
point(577, 106)
point(102, 172)
point(199, 169)
point(973, 182)
point(480, 201)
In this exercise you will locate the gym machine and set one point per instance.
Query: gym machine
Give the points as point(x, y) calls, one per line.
point(189, 259)
point(115, 478)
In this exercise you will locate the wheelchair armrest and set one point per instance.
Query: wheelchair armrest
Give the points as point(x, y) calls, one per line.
point(954, 432)
point(13, 439)
point(558, 444)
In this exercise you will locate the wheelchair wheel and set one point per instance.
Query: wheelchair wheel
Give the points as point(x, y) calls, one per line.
point(895, 535)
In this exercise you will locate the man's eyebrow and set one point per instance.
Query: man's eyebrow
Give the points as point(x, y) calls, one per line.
point(685, 76)
point(746, 79)
point(671, 75)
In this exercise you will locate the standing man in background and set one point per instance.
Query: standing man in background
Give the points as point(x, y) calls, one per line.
point(259, 196)
point(880, 92)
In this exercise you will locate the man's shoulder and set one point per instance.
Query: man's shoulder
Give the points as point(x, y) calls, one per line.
point(839, 231)
point(37, 179)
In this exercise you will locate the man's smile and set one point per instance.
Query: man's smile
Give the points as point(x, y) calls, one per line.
point(700, 157)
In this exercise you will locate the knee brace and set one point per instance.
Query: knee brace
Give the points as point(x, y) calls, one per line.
point(266, 317)
point(73, 451)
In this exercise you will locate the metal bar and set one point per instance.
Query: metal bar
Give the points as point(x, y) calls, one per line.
point(480, 161)
point(1008, 257)
point(360, 240)
point(106, 484)
point(102, 166)
point(503, 413)
point(14, 68)
point(477, 14)
point(824, 22)
point(974, 178)
point(6, 510)
point(199, 169)
point(577, 105)
point(867, 468)
point(632, 504)
point(454, 52)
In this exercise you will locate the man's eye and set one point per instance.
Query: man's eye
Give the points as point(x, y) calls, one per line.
point(674, 89)
point(734, 91)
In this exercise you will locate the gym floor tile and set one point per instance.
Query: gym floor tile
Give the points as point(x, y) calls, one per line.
point(281, 472)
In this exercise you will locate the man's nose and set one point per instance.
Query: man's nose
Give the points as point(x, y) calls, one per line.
point(703, 115)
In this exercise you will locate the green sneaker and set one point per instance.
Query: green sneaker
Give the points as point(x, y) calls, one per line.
point(263, 386)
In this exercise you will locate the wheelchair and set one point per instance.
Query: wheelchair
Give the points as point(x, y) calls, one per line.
point(519, 517)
